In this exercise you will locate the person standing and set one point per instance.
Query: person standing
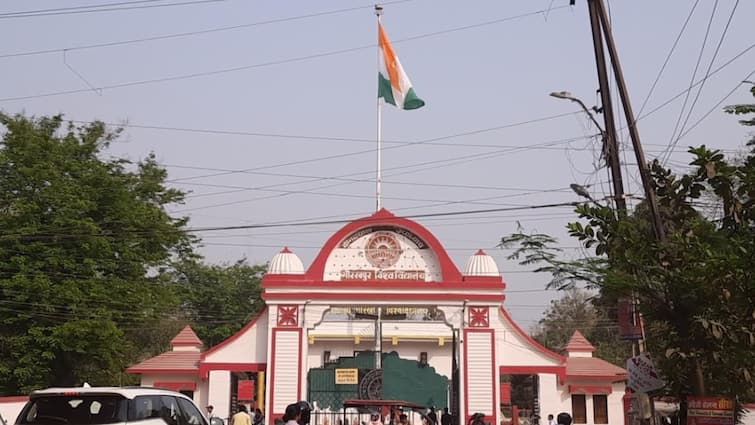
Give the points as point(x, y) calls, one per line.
point(210, 413)
point(564, 418)
point(551, 421)
point(446, 418)
point(432, 416)
point(375, 419)
point(292, 415)
point(242, 417)
point(259, 417)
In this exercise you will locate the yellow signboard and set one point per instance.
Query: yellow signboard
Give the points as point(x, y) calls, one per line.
point(347, 376)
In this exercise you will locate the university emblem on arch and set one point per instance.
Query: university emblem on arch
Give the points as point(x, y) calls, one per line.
point(382, 249)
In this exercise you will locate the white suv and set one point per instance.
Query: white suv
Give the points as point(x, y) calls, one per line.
point(109, 405)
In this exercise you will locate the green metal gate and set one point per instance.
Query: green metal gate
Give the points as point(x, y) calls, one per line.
point(399, 379)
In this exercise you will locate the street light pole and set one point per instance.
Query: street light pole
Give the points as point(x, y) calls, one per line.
point(610, 150)
point(568, 96)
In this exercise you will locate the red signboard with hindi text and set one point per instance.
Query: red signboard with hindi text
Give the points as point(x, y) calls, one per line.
point(710, 411)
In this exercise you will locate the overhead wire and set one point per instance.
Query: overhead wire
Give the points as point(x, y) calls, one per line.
point(90, 6)
point(700, 81)
point(97, 9)
point(711, 110)
point(668, 58)
point(440, 162)
point(269, 63)
point(198, 32)
point(700, 88)
point(395, 146)
point(694, 73)
point(236, 189)
point(305, 222)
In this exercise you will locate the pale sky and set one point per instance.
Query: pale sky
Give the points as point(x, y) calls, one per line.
point(267, 113)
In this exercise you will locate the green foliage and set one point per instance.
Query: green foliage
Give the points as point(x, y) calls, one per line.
point(218, 300)
point(696, 288)
point(741, 109)
point(81, 241)
point(578, 310)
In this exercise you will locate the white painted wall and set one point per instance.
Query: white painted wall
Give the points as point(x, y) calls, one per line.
point(10, 407)
point(479, 363)
point(248, 347)
point(219, 393)
point(411, 258)
point(555, 402)
point(286, 370)
point(199, 393)
point(552, 396)
point(749, 417)
point(512, 348)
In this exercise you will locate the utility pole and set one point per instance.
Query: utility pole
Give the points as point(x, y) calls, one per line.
point(652, 201)
point(610, 144)
point(601, 27)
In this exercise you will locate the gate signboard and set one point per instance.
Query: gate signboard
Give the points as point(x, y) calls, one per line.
point(347, 376)
point(642, 376)
point(710, 411)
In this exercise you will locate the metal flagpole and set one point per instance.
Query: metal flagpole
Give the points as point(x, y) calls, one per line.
point(379, 176)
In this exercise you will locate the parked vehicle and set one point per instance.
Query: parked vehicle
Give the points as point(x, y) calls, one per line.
point(109, 406)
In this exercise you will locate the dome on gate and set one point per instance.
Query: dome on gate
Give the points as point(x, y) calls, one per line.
point(481, 264)
point(285, 262)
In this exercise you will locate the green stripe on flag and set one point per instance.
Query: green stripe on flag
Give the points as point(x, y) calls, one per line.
point(384, 90)
point(412, 101)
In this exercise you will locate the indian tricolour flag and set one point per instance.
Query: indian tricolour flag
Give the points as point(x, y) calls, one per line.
point(393, 83)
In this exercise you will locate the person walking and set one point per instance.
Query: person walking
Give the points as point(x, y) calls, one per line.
point(242, 417)
point(551, 421)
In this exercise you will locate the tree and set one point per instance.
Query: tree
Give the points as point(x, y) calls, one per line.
point(696, 289)
point(218, 300)
point(579, 310)
point(82, 242)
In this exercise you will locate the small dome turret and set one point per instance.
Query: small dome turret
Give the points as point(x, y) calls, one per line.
point(481, 264)
point(285, 262)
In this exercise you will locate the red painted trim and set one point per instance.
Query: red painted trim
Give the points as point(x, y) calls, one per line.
point(590, 389)
point(749, 405)
point(176, 385)
point(14, 399)
point(144, 370)
point(468, 283)
point(477, 280)
point(627, 404)
point(398, 296)
point(611, 378)
point(537, 345)
point(205, 368)
point(384, 217)
point(272, 366)
point(233, 337)
point(467, 331)
point(559, 371)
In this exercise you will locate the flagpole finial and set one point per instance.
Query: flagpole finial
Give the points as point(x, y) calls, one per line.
point(378, 9)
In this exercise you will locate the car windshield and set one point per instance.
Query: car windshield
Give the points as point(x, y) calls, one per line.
point(88, 409)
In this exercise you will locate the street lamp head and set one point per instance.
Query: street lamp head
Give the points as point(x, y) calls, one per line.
point(562, 95)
